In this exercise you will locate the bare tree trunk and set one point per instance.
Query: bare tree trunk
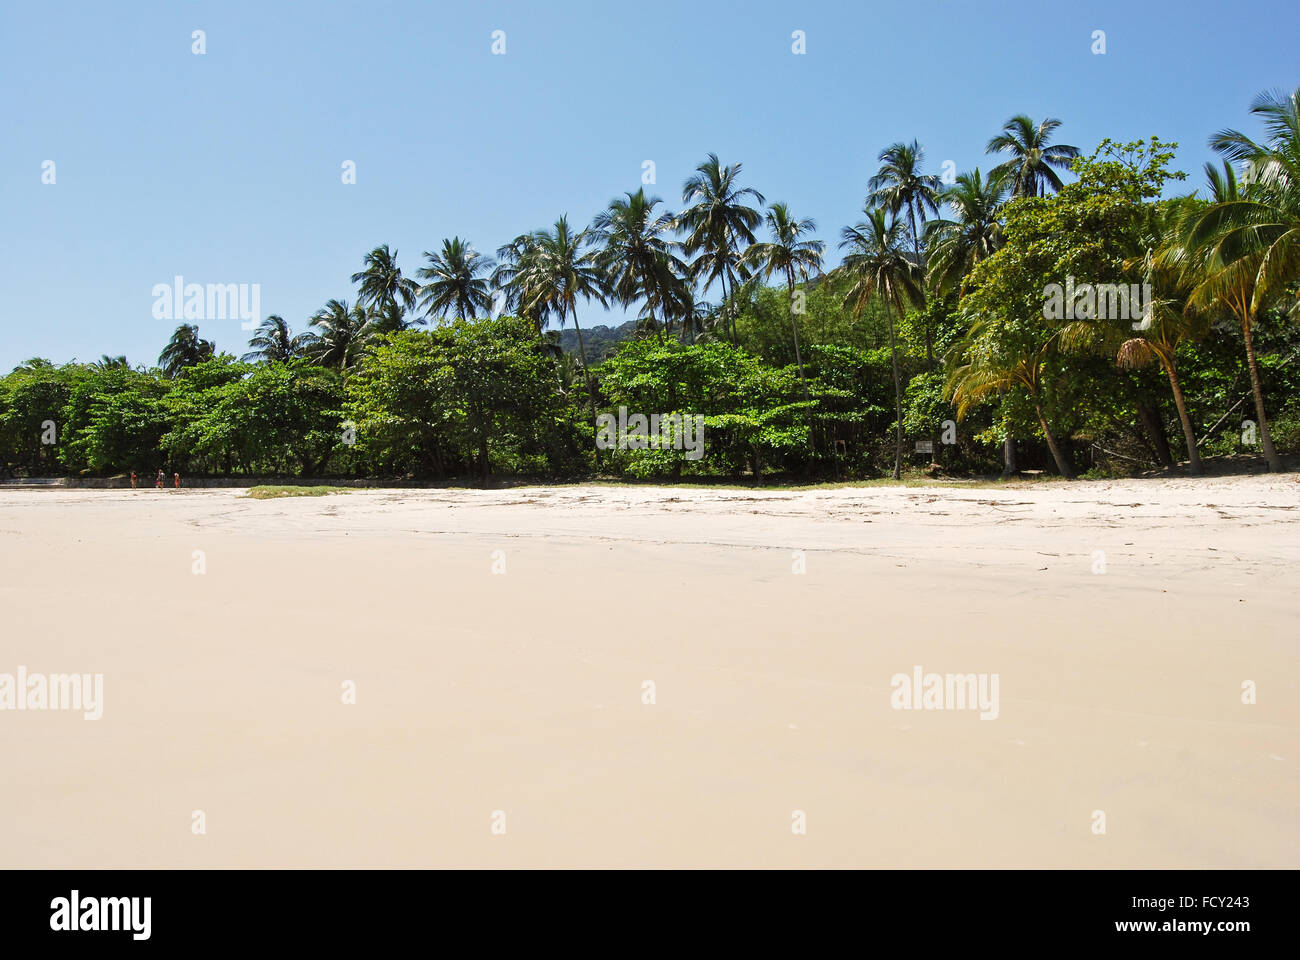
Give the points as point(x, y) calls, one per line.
point(1265, 439)
point(1061, 463)
point(1189, 435)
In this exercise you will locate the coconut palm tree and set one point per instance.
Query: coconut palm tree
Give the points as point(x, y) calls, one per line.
point(1227, 252)
point(1030, 167)
point(383, 288)
point(272, 342)
point(35, 363)
point(105, 362)
point(879, 268)
point(1160, 262)
point(636, 254)
point(991, 367)
point(954, 246)
point(900, 185)
point(561, 270)
point(510, 280)
point(185, 349)
point(719, 225)
point(455, 281)
point(390, 318)
point(1170, 320)
point(1249, 237)
point(788, 254)
point(340, 336)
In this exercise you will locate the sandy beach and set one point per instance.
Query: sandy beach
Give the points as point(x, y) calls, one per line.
point(642, 676)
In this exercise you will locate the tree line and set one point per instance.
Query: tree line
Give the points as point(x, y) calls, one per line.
point(932, 334)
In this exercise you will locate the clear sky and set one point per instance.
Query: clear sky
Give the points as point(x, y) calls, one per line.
point(227, 167)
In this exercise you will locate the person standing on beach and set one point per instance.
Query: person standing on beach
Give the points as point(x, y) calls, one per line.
point(177, 475)
point(159, 484)
point(132, 479)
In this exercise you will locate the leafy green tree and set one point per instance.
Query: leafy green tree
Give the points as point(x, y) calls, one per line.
point(1086, 232)
point(279, 418)
point(459, 394)
point(115, 422)
point(32, 400)
point(752, 416)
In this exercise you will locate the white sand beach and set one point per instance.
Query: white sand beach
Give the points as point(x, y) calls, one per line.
point(1120, 676)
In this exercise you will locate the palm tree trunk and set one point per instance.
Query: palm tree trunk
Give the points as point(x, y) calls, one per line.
point(798, 359)
point(1189, 435)
point(728, 321)
point(916, 245)
point(582, 353)
point(1265, 438)
point(794, 329)
point(1008, 447)
point(1150, 418)
point(1061, 464)
point(898, 397)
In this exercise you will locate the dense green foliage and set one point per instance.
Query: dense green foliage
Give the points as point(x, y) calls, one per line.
point(968, 319)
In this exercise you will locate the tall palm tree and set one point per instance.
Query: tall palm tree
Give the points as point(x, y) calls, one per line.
point(510, 278)
point(990, 368)
point(383, 288)
point(879, 268)
point(340, 336)
point(636, 253)
point(1226, 265)
point(390, 318)
point(456, 281)
point(954, 246)
point(1031, 163)
point(718, 224)
point(561, 271)
point(185, 349)
point(1170, 320)
point(35, 363)
point(900, 185)
point(788, 254)
point(105, 362)
point(1249, 237)
point(272, 342)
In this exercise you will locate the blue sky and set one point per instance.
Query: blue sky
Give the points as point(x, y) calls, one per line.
point(226, 167)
